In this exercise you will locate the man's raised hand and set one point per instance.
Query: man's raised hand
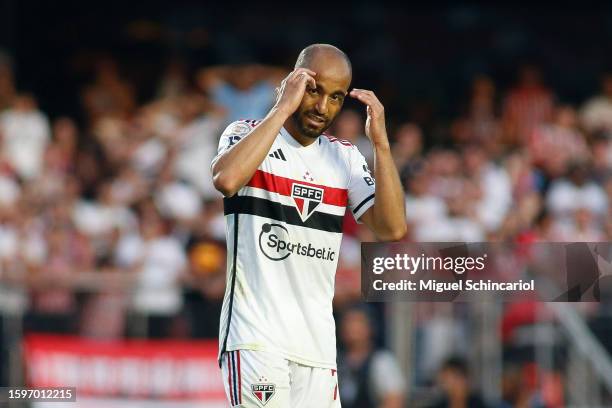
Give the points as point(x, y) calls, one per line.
point(375, 123)
point(291, 91)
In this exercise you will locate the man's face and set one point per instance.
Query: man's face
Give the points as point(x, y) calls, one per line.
point(355, 328)
point(322, 104)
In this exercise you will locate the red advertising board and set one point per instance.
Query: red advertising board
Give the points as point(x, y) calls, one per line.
point(141, 369)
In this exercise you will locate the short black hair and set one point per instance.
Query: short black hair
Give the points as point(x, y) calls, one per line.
point(456, 363)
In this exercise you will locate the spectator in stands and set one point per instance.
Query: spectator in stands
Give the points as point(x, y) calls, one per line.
point(244, 91)
point(196, 143)
point(67, 254)
point(64, 144)
point(97, 219)
point(454, 380)
point(554, 145)
point(176, 200)
point(525, 384)
point(159, 260)
point(446, 173)
point(25, 134)
point(407, 150)
point(204, 294)
point(601, 151)
point(461, 222)
point(575, 191)
point(480, 123)
point(580, 228)
point(423, 209)
point(109, 95)
point(596, 113)
point(7, 83)
point(348, 273)
point(174, 81)
point(525, 179)
point(526, 106)
point(367, 377)
point(495, 197)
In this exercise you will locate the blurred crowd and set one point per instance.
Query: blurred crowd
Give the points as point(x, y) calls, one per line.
point(110, 226)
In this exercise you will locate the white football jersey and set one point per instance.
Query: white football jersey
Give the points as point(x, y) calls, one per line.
point(284, 229)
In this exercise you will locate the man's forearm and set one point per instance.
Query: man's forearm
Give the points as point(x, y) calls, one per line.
point(235, 167)
point(386, 218)
point(388, 213)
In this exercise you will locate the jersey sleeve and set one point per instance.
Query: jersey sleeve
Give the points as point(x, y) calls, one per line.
point(230, 136)
point(361, 185)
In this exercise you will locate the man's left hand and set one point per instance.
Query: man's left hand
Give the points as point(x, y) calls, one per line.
point(375, 123)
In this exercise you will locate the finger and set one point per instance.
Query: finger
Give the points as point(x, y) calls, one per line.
point(303, 77)
point(299, 73)
point(367, 97)
point(363, 91)
point(372, 107)
point(299, 76)
point(367, 92)
point(310, 80)
point(291, 76)
point(363, 97)
point(305, 70)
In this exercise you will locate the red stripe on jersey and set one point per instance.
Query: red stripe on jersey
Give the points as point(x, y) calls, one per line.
point(341, 141)
point(282, 185)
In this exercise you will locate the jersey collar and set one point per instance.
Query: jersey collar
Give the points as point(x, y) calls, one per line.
point(292, 142)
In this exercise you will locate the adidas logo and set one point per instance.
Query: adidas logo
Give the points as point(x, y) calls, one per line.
point(278, 154)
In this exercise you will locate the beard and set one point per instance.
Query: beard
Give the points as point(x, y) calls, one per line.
point(307, 129)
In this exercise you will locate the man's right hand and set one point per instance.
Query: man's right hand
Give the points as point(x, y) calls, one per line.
point(292, 88)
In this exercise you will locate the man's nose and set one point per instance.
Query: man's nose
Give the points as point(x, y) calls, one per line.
point(322, 105)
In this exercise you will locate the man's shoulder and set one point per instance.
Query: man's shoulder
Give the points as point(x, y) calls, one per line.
point(249, 122)
point(241, 127)
point(335, 141)
point(340, 147)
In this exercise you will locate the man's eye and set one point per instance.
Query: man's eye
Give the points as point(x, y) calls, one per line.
point(313, 91)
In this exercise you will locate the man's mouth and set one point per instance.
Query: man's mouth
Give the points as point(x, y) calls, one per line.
point(314, 119)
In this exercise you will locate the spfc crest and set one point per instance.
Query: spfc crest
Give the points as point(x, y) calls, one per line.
point(306, 198)
point(263, 392)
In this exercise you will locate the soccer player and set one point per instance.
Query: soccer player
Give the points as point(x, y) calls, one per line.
point(286, 188)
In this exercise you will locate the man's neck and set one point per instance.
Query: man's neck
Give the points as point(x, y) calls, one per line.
point(295, 133)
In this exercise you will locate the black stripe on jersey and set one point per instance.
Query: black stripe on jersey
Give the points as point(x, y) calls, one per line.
point(233, 285)
point(362, 203)
point(276, 211)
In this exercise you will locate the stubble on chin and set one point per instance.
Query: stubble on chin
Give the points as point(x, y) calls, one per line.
point(304, 129)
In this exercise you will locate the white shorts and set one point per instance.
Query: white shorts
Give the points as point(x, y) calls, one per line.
point(261, 379)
